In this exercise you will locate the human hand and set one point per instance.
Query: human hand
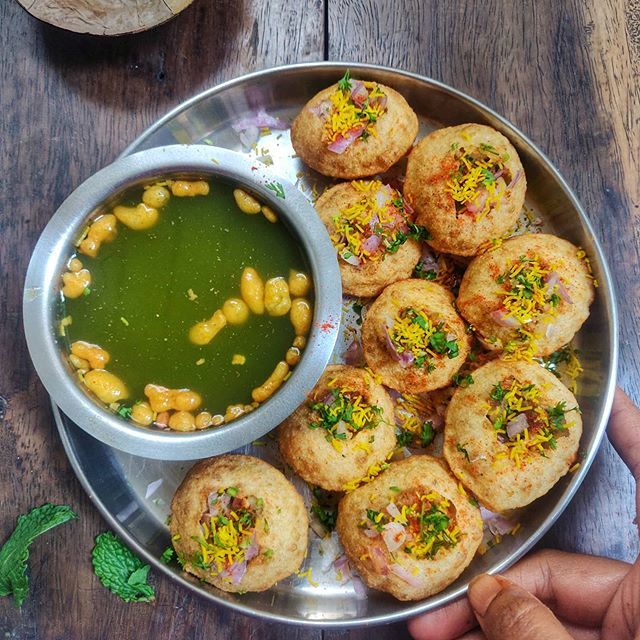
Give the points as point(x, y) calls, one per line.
point(552, 595)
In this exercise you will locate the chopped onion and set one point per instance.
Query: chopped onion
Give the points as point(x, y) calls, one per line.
point(392, 510)
point(350, 259)
point(552, 280)
point(341, 428)
point(564, 294)
point(330, 550)
point(249, 137)
point(477, 205)
point(515, 180)
point(152, 487)
point(550, 330)
point(341, 143)
point(379, 560)
point(253, 549)
point(382, 197)
point(373, 222)
point(370, 533)
point(379, 100)
point(406, 575)
point(236, 572)
point(359, 588)
point(497, 174)
point(498, 524)
point(260, 120)
point(371, 244)
point(428, 259)
point(503, 319)
point(322, 109)
point(517, 425)
point(359, 93)
point(354, 354)
point(394, 535)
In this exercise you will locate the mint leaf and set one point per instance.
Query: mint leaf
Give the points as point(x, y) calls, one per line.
point(15, 552)
point(119, 570)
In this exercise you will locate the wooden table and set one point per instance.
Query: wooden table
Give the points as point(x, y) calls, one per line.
point(566, 73)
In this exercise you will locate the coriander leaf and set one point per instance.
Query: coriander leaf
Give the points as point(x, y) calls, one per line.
point(119, 570)
point(167, 555)
point(463, 451)
point(344, 83)
point(15, 551)
point(277, 188)
point(427, 434)
point(404, 438)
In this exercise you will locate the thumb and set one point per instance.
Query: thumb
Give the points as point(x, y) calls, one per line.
point(506, 611)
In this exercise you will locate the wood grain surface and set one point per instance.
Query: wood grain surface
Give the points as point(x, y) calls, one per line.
point(567, 74)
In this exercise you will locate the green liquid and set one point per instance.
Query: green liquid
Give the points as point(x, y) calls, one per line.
point(140, 312)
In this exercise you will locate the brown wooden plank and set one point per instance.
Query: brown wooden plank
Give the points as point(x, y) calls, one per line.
point(70, 104)
point(567, 75)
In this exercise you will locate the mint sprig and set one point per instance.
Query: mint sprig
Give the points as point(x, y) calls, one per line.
point(121, 571)
point(15, 551)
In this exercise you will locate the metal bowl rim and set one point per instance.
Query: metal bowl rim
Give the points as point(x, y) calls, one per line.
point(55, 244)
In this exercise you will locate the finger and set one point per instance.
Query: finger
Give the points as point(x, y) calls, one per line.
point(624, 431)
point(506, 611)
point(579, 588)
point(622, 621)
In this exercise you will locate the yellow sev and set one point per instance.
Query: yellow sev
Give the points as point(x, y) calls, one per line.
point(414, 332)
point(527, 298)
point(475, 183)
point(347, 408)
point(345, 115)
point(511, 398)
point(427, 523)
point(379, 204)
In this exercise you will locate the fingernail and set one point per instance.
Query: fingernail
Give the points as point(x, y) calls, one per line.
point(482, 591)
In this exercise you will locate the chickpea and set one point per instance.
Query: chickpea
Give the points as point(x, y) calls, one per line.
point(203, 420)
point(276, 297)
point(252, 290)
point(205, 331)
point(293, 356)
point(185, 400)
point(104, 229)
point(233, 411)
point(299, 283)
point(106, 386)
point(301, 315)
point(159, 397)
point(156, 196)
point(74, 265)
point(162, 419)
point(74, 284)
point(300, 342)
point(137, 218)
point(269, 214)
point(79, 363)
point(182, 421)
point(186, 188)
point(95, 355)
point(142, 414)
point(235, 311)
point(217, 420)
point(246, 203)
point(272, 383)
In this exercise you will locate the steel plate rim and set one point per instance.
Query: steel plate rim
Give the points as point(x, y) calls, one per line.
point(607, 391)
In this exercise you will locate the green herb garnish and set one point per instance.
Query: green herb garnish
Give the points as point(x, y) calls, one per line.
point(15, 551)
point(462, 450)
point(277, 188)
point(121, 571)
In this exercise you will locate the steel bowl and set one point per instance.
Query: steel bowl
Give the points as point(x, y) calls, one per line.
point(57, 243)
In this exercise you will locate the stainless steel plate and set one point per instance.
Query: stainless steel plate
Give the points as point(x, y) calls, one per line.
point(127, 489)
